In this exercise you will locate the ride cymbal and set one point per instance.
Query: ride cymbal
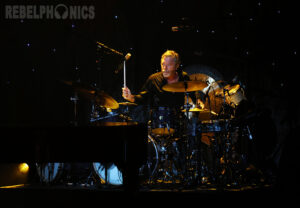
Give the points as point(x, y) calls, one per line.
point(186, 86)
point(93, 94)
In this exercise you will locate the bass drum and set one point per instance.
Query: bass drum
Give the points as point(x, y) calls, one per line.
point(54, 173)
point(111, 174)
point(50, 173)
point(148, 170)
point(108, 173)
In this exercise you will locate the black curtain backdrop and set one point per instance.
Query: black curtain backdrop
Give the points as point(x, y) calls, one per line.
point(243, 39)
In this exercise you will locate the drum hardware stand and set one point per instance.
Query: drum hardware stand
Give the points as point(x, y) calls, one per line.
point(165, 166)
point(190, 170)
point(200, 166)
point(149, 164)
point(89, 178)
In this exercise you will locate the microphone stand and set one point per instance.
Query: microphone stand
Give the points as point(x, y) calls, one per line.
point(102, 46)
point(75, 100)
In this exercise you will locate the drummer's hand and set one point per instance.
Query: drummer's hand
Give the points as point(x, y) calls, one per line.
point(200, 104)
point(127, 94)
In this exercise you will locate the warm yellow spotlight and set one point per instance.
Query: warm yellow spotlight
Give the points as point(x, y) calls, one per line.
point(23, 168)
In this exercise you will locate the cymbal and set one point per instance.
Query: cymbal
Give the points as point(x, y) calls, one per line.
point(193, 110)
point(105, 100)
point(232, 89)
point(199, 77)
point(81, 87)
point(229, 88)
point(127, 104)
point(187, 86)
point(112, 123)
point(200, 110)
point(92, 93)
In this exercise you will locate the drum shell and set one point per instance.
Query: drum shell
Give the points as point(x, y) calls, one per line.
point(59, 173)
point(214, 126)
point(114, 173)
point(165, 120)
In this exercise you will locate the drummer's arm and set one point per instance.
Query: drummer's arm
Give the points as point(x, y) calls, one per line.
point(138, 99)
point(141, 98)
point(126, 93)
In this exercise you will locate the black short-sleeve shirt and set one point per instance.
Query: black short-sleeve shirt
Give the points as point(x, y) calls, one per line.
point(152, 93)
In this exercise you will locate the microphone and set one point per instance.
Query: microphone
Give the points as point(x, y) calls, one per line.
point(120, 66)
point(182, 28)
point(127, 57)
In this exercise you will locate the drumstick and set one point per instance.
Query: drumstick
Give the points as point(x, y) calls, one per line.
point(124, 73)
point(128, 55)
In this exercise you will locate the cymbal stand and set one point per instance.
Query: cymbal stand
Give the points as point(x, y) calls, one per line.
point(189, 169)
point(224, 109)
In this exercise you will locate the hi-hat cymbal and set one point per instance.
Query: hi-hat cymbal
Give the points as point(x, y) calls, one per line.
point(92, 93)
point(127, 104)
point(186, 86)
point(200, 110)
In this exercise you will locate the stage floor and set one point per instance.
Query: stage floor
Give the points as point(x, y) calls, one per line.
point(34, 195)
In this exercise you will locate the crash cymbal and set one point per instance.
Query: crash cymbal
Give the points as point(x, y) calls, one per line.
point(199, 77)
point(230, 90)
point(127, 104)
point(187, 86)
point(105, 100)
point(83, 88)
point(93, 94)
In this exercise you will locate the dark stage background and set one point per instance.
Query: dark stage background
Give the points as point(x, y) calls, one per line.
point(242, 39)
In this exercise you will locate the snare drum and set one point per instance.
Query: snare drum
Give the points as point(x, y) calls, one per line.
point(214, 125)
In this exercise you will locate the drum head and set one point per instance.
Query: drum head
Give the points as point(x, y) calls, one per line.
point(110, 174)
point(163, 131)
point(147, 170)
point(165, 121)
point(49, 172)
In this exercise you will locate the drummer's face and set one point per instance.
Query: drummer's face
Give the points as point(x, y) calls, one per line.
point(168, 66)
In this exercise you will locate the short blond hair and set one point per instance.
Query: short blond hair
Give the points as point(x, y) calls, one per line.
point(172, 54)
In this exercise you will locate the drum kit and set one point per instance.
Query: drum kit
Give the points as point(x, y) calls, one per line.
point(194, 145)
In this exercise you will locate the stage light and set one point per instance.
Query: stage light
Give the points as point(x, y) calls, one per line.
point(12, 186)
point(23, 168)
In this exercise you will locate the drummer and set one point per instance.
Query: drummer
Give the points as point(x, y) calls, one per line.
point(152, 93)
